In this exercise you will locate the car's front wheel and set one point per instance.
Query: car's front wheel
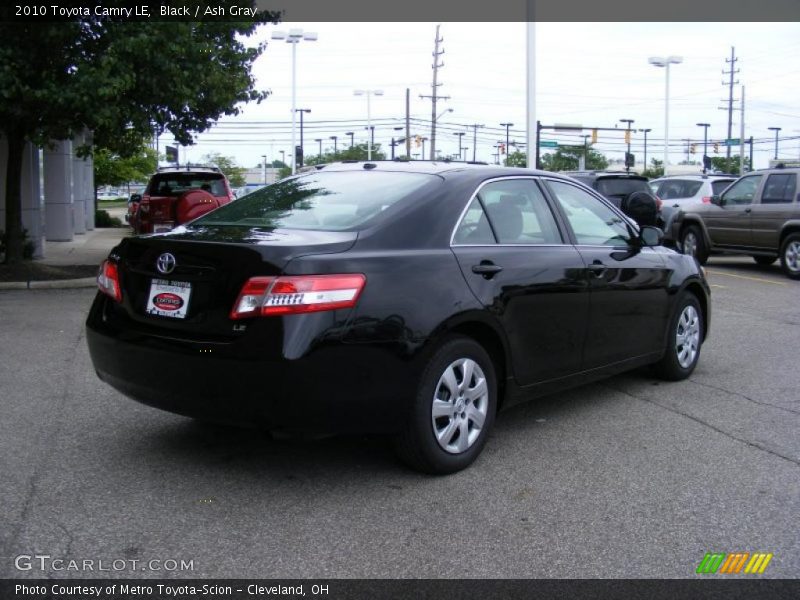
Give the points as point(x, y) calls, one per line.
point(453, 410)
point(693, 244)
point(790, 256)
point(684, 339)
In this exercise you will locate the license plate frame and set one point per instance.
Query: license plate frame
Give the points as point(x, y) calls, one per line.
point(168, 298)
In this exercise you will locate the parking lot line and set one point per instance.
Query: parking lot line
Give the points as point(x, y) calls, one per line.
point(713, 272)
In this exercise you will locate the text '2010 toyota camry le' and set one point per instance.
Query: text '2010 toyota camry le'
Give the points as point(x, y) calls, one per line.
point(414, 299)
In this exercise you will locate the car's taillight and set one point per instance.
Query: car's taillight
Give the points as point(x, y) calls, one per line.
point(108, 280)
point(144, 205)
point(288, 295)
point(659, 203)
point(706, 199)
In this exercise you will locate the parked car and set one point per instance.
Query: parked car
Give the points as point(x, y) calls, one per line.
point(758, 215)
point(678, 191)
point(413, 299)
point(176, 195)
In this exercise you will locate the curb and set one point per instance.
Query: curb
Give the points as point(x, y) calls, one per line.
point(55, 284)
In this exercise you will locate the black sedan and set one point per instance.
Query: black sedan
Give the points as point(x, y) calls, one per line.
point(414, 299)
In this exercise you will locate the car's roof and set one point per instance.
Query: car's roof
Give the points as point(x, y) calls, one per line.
point(426, 166)
point(604, 174)
point(709, 176)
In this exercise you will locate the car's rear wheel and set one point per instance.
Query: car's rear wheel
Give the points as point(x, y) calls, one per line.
point(453, 410)
point(765, 261)
point(790, 256)
point(693, 244)
point(684, 339)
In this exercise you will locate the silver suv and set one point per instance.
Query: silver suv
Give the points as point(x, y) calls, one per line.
point(677, 191)
point(759, 215)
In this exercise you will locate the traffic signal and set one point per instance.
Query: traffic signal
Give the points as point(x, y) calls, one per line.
point(627, 136)
point(502, 148)
point(630, 159)
point(693, 148)
point(716, 147)
point(172, 154)
point(417, 141)
point(298, 156)
point(706, 162)
point(594, 136)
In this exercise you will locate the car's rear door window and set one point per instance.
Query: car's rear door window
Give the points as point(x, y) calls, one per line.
point(720, 185)
point(779, 188)
point(510, 211)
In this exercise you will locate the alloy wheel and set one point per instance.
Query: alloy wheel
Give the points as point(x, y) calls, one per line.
point(460, 405)
point(792, 256)
point(687, 336)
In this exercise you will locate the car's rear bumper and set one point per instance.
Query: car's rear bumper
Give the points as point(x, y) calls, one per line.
point(335, 388)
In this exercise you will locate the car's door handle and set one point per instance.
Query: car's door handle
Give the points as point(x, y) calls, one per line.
point(487, 269)
point(597, 268)
point(747, 210)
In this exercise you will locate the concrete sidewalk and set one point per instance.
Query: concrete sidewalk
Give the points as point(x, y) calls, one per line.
point(90, 248)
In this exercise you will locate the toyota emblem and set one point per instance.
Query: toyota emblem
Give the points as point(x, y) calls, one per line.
point(166, 263)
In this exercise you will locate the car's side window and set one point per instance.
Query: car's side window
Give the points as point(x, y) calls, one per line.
point(510, 211)
point(593, 222)
point(474, 227)
point(742, 192)
point(779, 188)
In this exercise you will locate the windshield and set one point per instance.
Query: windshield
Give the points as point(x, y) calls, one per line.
point(326, 201)
point(175, 183)
point(621, 186)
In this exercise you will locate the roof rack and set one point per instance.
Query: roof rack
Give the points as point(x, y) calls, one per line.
point(189, 167)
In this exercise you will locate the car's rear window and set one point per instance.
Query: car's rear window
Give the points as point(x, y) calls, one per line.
point(326, 201)
point(621, 186)
point(174, 184)
point(675, 189)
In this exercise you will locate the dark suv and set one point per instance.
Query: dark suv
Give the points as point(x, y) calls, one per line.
point(176, 195)
point(759, 215)
point(619, 187)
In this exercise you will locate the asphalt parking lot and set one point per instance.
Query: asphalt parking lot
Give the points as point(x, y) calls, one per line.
point(629, 477)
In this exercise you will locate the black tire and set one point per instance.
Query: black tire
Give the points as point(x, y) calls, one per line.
point(765, 261)
point(675, 365)
point(696, 243)
point(790, 256)
point(417, 444)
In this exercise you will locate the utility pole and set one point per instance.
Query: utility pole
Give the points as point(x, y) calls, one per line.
point(460, 135)
point(730, 83)
point(507, 126)
point(741, 137)
point(475, 139)
point(646, 131)
point(688, 150)
point(408, 123)
point(437, 64)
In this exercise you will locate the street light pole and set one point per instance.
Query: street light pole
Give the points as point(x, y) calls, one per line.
point(705, 127)
point(666, 62)
point(776, 130)
point(264, 156)
point(334, 138)
point(368, 94)
point(645, 131)
point(320, 147)
point(294, 37)
point(302, 111)
point(351, 134)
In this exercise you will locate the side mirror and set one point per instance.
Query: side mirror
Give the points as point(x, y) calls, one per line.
point(717, 199)
point(135, 198)
point(651, 236)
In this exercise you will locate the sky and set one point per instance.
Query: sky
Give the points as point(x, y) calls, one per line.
point(592, 74)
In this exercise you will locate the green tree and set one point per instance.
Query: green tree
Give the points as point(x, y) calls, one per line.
point(113, 169)
point(725, 165)
point(516, 159)
point(123, 80)
point(228, 166)
point(655, 170)
point(567, 158)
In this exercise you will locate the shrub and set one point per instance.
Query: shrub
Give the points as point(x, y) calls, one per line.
point(103, 219)
point(28, 246)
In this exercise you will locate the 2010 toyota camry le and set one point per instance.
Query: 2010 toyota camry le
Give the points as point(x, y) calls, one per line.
point(409, 298)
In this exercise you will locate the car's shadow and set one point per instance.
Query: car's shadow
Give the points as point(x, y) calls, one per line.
point(251, 453)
